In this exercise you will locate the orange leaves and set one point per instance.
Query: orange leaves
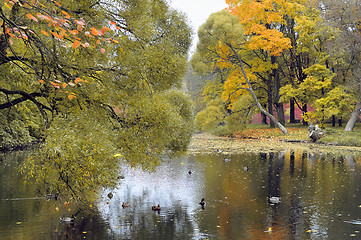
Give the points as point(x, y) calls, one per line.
point(29, 15)
point(94, 31)
point(104, 29)
point(57, 3)
point(76, 44)
point(66, 14)
point(260, 20)
point(73, 32)
point(45, 33)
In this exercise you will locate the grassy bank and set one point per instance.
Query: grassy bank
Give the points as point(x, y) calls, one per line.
point(262, 138)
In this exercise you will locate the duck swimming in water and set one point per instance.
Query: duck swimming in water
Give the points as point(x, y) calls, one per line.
point(156, 208)
point(202, 202)
point(69, 220)
point(125, 204)
point(274, 200)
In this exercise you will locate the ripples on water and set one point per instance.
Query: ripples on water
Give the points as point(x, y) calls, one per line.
point(320, 199)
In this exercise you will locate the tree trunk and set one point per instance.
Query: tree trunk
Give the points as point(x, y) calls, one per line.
point(270, 108)
point(264, 117)
point(292, 111)
point(277, 81)
point(250, 89)
point(333, 121)
point(354, 116)
point(304, 110)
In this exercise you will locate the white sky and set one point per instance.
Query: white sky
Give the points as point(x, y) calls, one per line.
point(197, 12)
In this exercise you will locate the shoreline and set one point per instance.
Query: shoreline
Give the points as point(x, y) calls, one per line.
point(205, 143)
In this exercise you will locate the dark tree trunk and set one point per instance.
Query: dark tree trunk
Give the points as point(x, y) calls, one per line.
point(340, 122)
point(333, 121)
point(264, 117)
point(292, 111)
point(277, 86)
point(270, 108)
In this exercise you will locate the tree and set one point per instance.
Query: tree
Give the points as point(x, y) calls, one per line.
point(104, 77)
point(221, 45)
point(345, 16)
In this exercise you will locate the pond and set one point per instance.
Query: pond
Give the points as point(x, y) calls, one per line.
point(320, 199)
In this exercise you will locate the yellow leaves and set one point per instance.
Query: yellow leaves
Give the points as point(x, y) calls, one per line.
point(71, 96)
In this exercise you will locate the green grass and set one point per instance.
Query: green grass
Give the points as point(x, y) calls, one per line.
point(338, 136)
point(333, 135)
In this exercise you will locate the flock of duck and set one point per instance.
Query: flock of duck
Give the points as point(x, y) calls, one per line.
point(271, 199)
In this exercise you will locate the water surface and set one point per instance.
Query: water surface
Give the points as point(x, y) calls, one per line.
point(320, 199)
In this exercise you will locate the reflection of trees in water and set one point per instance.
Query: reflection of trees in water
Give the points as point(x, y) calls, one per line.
point(319, 192)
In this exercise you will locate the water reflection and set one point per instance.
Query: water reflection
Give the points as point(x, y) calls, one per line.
point(319, 200)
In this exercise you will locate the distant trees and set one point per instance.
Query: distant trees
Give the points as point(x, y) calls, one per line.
point(295, 51)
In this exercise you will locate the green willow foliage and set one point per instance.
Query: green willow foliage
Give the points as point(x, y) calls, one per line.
point(127, 107)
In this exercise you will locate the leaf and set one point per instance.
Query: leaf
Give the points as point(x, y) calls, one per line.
point(41, 81)
point(45, 33)
point(57, 3)
point(104, 29)
point(77, 80)
point(94, 31)
point(114, 23)
point(71, 96)
point(102, 50)
point(76, 44)
point(64, 85)
point(29, 15)
point(56, 35)
point(56, 85)
point(73, 32)
point(66, 14)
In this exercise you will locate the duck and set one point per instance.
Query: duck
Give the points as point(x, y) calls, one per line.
point(125, 204)
point(226, 160)
point(110, 195)
point(202, 203)
point(219, 151)
point(246, 168)
point(274, 200)
point(51, 196)
point(156, 208)
point(69, 220)
point(190, 172)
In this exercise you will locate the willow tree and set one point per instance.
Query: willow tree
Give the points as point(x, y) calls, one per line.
point(103, 76)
